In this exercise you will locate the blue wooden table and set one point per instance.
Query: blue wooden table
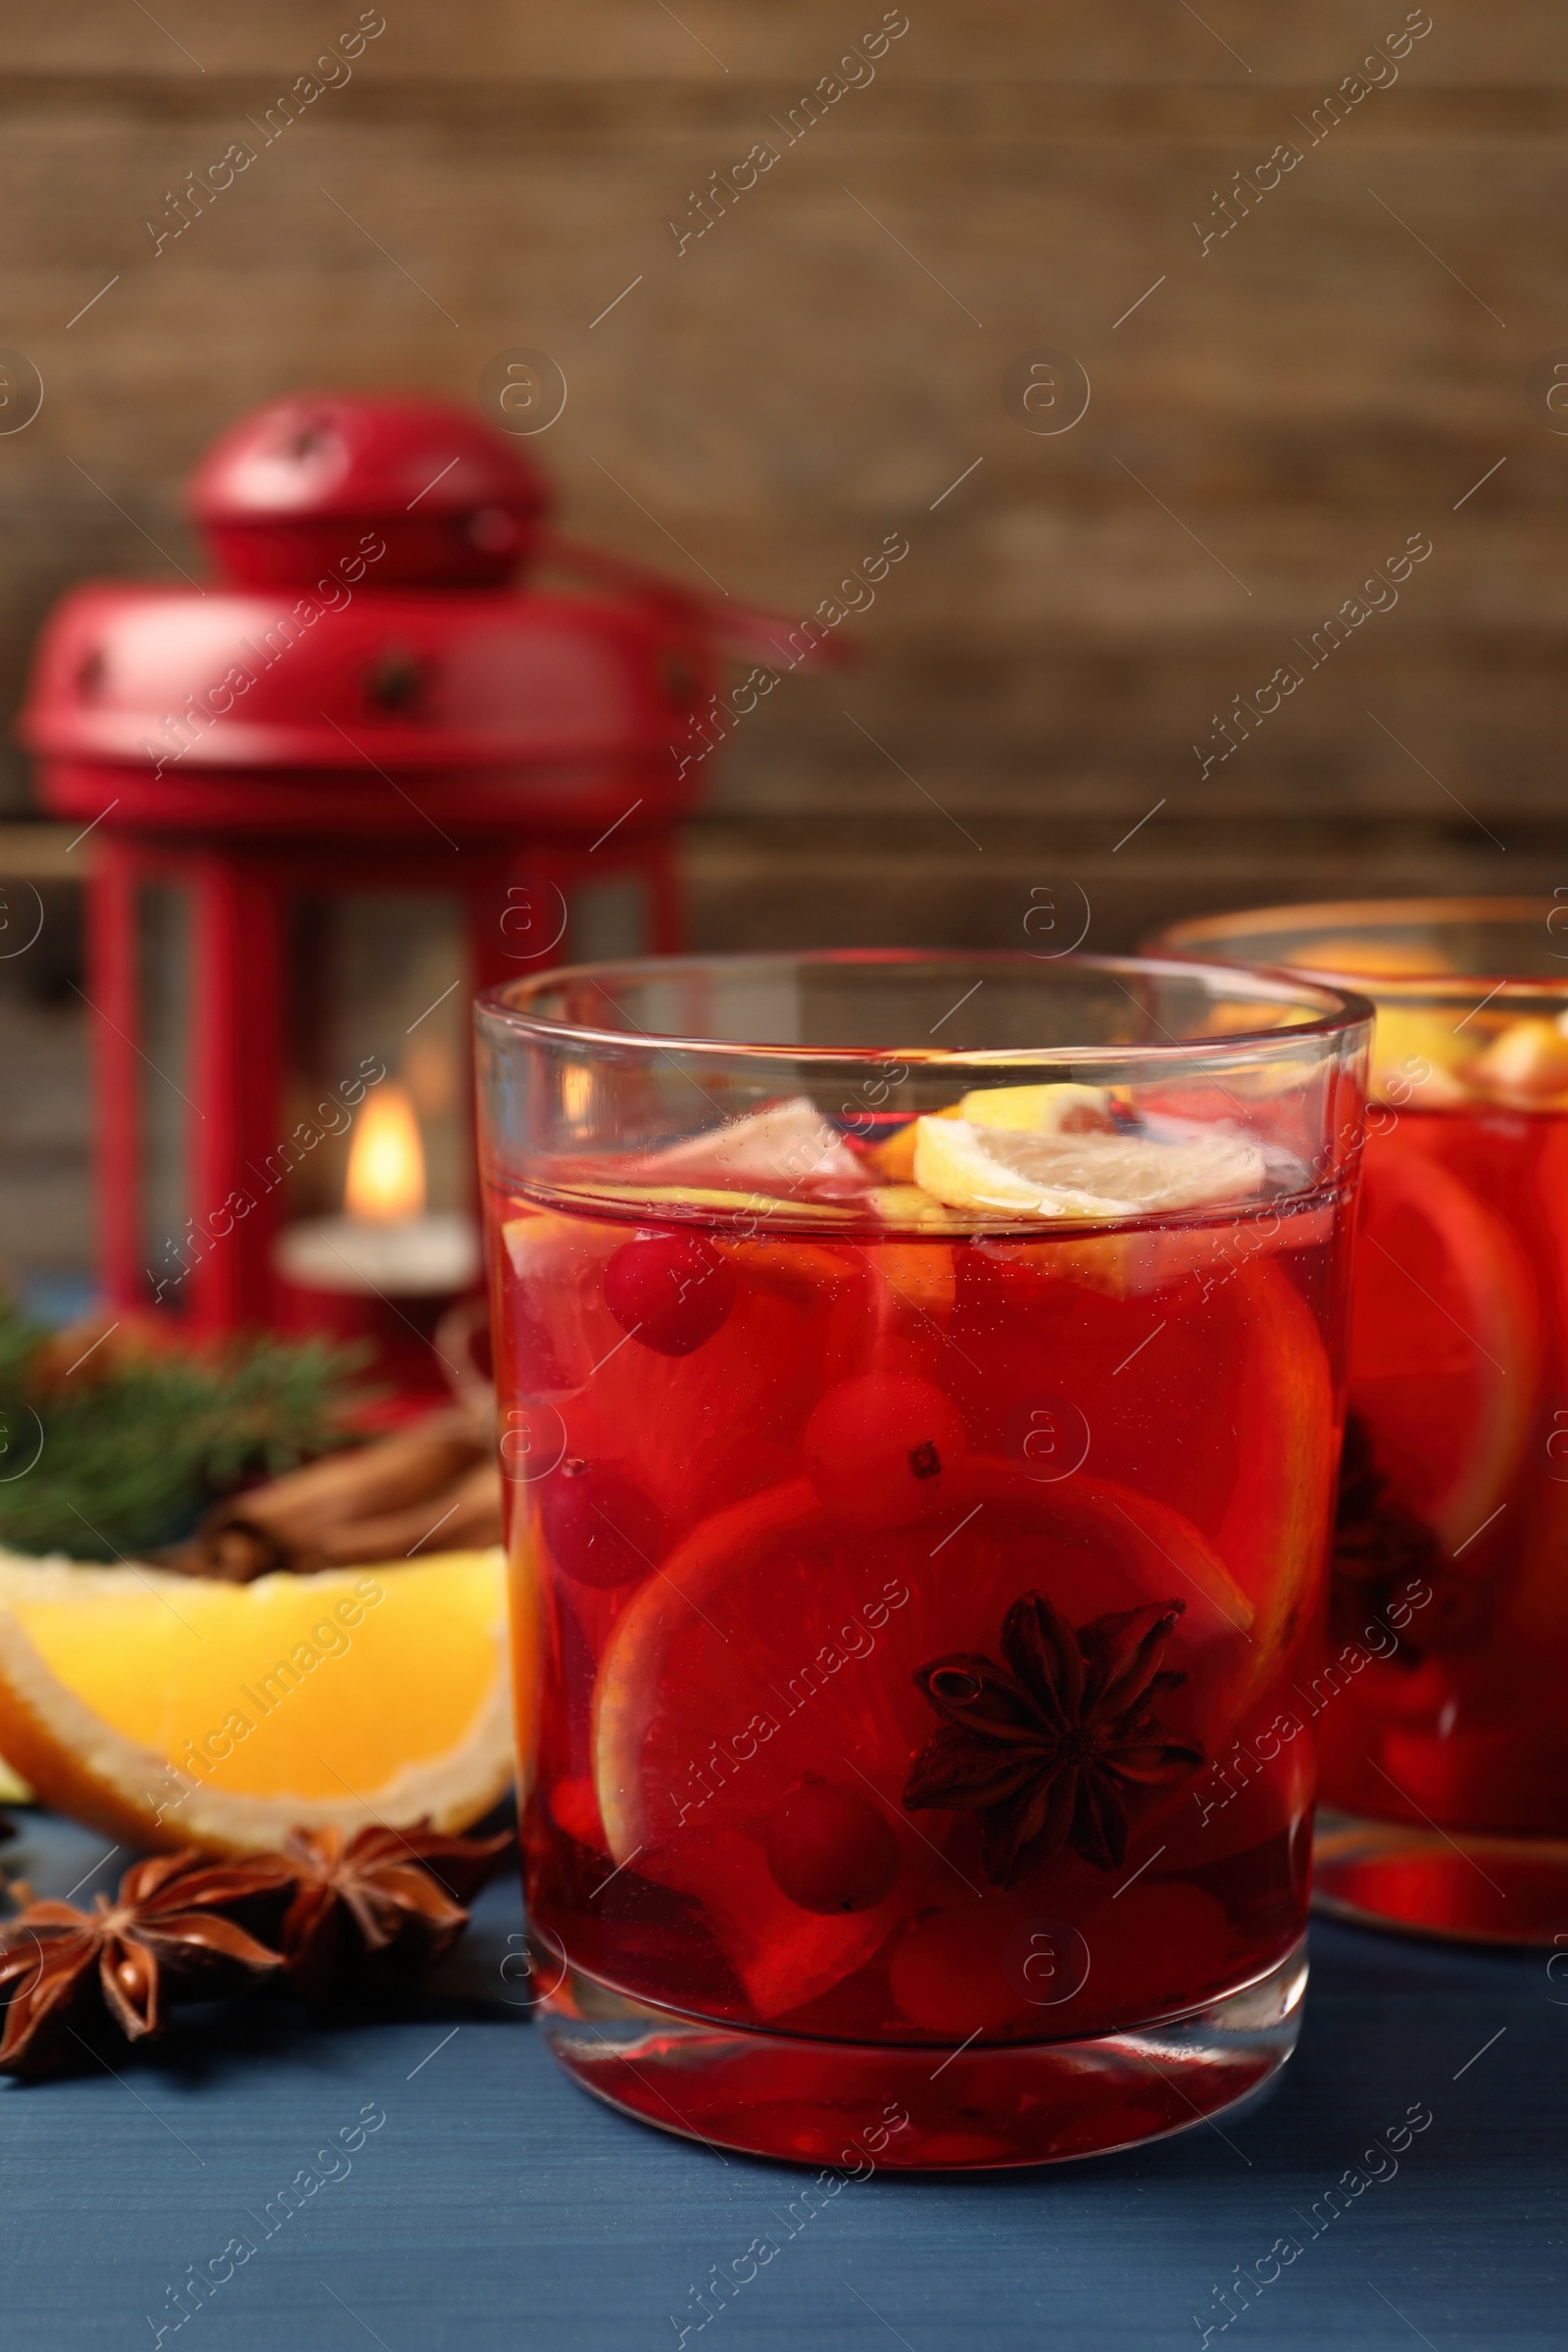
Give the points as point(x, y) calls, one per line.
point(428, 2181)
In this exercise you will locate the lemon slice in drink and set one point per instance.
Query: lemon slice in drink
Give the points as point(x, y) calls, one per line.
point(1418, 1058)
point(1526, 1062)
point(1058, 1109)
point(1048, 1109)
point(1030, 1172)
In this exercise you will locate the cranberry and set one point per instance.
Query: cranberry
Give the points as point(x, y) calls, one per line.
point(881, 1449)
point(671, 1292)
point(575, 1809)
point(1159, 1945)
point(1458, 1616)
point(601, 1530)
point(945, 1975)
point(829, 1849)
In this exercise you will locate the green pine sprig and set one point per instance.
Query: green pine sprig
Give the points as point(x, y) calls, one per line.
point(114, 1462)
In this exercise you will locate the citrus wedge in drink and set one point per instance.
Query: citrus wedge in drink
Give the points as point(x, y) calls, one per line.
point(1066, 1172)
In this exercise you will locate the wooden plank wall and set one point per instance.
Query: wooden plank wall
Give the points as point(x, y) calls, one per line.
point(1355, 346)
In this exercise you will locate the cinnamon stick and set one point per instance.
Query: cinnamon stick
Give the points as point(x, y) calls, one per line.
point(299, 1520)
point(463, 1517)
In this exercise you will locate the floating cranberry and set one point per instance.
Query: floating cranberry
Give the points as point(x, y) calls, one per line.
point(671, 1292)
point(1458, 1616)
point(600, 1529)
point(881, 1449)
point(829, 1849)
point(945, 1975)
point(575, 1809)
point(1157, 1943)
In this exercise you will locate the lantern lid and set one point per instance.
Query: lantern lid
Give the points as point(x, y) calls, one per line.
point(456, 501)
point(230, 682)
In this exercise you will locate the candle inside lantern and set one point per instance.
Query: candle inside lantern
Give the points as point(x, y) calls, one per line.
point(386, 1160)
point(385, 1240)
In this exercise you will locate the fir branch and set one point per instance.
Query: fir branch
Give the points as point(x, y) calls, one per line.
point(137, 1444)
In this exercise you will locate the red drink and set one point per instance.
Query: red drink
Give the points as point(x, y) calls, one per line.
point(917, 1619)
point(1458, 1385)
point(1443, 1737)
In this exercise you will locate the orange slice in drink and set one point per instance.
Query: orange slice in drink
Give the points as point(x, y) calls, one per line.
point(767, 1672)
point(1212, 1384)
point(1274, 1535)
point(1444, 1341)
point(1535, 1611)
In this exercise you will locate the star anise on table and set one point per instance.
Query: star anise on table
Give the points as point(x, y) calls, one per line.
point(1045, 1747)
point(79, 1978)
point(384, 1899)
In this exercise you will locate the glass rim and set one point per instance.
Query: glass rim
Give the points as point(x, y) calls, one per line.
point(1189, 935)
point(1343, 1008)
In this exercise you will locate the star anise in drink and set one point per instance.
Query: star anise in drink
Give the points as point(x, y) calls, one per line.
point(1383, 1550)
point(1047, 1747)
point(383, 1900)
point(77, 1979)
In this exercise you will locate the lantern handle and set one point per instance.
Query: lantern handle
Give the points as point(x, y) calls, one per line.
point(745, 632)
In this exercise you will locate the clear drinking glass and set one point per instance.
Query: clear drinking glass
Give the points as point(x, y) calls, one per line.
point(1443, 1730)
point(920, 1399)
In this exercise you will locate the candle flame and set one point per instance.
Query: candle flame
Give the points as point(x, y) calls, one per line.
point(386, 1159)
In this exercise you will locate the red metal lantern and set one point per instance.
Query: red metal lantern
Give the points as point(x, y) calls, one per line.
point(338, 791)
point(282, 493)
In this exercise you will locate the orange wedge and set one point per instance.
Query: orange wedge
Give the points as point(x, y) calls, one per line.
point(166, 1710)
